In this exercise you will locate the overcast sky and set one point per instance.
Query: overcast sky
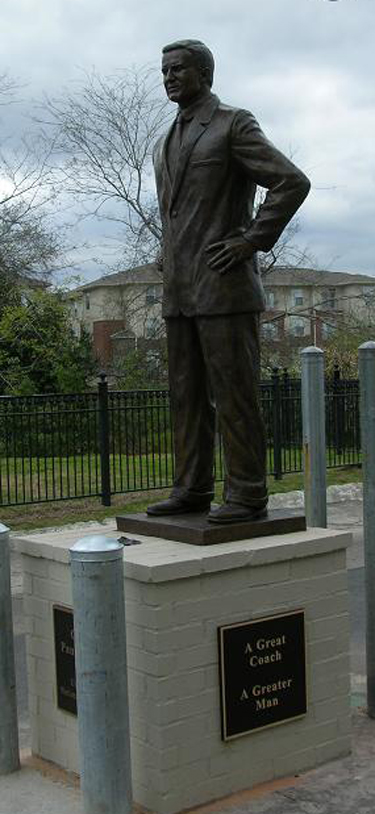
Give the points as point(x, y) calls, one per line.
point(305, 68)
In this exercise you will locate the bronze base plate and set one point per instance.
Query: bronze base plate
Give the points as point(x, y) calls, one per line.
point(196, 529)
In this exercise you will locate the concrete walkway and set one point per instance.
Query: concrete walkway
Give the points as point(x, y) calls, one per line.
point(39, 788)
point(341, 787)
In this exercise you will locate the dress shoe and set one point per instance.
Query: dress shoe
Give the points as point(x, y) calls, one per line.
point(177, 505)
point(235, 513)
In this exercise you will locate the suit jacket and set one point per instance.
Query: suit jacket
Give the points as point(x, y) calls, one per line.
point(223, 158)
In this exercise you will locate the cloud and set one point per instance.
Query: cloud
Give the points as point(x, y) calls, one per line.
point(304, 67)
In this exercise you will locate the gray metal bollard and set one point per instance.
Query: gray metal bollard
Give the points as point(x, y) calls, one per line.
point(314, 436)
point(367, 398)
point(101, 675)
point(9, 752)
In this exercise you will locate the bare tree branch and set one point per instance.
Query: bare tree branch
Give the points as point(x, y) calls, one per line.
point(104, 133)
point(8, 86)
point(29, 244)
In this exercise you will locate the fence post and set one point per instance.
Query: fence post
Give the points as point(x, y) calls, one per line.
point(314, 441)
point(9, 753)
point(104, 440)
point(277, 462)
point(285, 410)
point(367, 402)
point(101, 675)
point(337, 412)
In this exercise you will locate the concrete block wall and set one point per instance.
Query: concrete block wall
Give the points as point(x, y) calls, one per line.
point(54, 732)
point(174, 687)
point(178, 757)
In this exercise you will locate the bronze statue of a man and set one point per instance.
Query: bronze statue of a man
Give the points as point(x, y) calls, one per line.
point(207, 168)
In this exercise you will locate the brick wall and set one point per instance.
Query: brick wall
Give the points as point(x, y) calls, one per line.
point(54, 732)
point(102, 332)
point(174, 690)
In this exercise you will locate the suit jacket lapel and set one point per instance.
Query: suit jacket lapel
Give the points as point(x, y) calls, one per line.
point(195, 131)
point(164, 152)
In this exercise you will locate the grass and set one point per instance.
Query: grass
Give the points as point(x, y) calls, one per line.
point(36, 478)
point(59, 513)
point(28, 480)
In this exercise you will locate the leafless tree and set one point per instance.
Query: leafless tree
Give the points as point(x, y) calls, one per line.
point(29, 245)
point(104, 133)
point(8, 87)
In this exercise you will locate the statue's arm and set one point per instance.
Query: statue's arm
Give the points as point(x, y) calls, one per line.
point(287, 185)
point(267, 167)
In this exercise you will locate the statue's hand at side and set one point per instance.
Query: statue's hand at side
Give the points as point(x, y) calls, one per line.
point(225, 254)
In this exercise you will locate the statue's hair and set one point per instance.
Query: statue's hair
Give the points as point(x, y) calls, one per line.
point(202, 55)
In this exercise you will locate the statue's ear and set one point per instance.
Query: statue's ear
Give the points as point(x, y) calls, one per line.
point(205, 74)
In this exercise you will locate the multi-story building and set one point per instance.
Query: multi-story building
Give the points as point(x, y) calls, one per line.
point(309, 305)
point(120, 310)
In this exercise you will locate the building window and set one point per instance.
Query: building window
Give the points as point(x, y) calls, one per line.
point(153, 327)
point(327, 330)
point(368, 292)
point(87, 301)
point(297, 296)
point(270, 330)
point(330, 299)
point(153, 361)
point(270, 298)
point(153, 294)
point(297, 326)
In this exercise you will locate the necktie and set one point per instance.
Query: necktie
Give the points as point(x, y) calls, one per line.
point(180, 129)
point(175, 145)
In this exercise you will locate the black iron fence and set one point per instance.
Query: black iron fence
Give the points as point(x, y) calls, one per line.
point(60, 447)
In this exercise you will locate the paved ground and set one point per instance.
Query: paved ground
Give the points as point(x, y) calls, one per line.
point(38, 789)
point(342, 787)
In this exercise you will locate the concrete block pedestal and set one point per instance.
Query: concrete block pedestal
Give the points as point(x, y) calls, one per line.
point(176, 596)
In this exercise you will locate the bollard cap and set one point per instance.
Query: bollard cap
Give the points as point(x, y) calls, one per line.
point(367, 346)
point(312, 350)
point(96, 548)
point(3, 529)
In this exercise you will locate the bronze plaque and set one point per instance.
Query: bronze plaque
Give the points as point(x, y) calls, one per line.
point(65, 659)
point(262, 673)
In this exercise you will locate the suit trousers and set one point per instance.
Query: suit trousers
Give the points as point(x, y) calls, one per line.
point(214, 365)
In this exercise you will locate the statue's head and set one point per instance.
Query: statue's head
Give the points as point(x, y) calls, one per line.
point(188, 68)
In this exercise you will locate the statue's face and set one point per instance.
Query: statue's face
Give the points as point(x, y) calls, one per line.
point(183, 80)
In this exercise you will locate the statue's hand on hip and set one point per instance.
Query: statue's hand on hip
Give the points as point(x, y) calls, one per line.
point(225, 254)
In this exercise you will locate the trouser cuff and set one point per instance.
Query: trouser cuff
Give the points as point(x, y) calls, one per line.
point(192, 496)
